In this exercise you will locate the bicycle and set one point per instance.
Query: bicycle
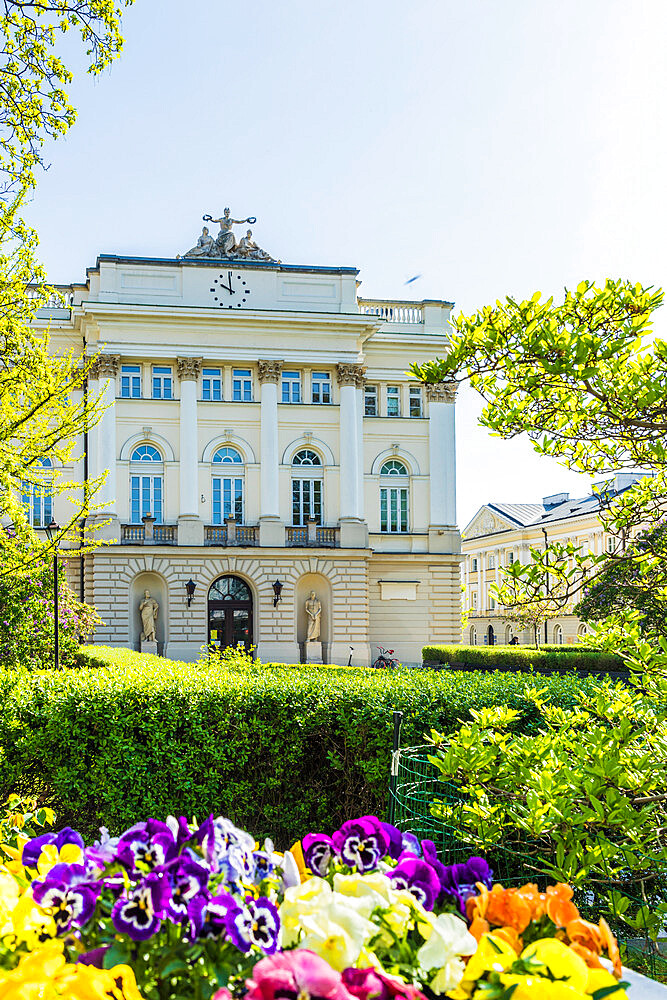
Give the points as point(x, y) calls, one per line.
point(386, 660)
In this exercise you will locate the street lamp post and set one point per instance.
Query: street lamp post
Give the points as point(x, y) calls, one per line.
point(52, 530)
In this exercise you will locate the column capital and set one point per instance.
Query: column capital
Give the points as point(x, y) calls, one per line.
point(104, 366)
point(441, 392)
point(189, 368)
point(350, 374)
point(269, 371)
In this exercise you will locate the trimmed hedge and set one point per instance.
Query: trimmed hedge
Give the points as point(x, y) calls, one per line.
point(552, 657)
point(280, 749)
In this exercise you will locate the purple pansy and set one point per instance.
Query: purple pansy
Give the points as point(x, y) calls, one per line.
point(418, 877)
point(361, 843)
point(209, 916)
point(187, 879)
point(458, 881)
point(318, 850)
point(150, 845)
point(226, 848)
point(140, 912)
point(254, 923)
point(180, 829)
point(34, 847)
point(69, 896)
point(400, 842)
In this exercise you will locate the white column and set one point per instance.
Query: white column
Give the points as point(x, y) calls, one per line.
point(190, 525)
point(271, 529)
point(442, 449)
point(106, 369)
point(361, 500)
point(353, 530)
point(482, 581)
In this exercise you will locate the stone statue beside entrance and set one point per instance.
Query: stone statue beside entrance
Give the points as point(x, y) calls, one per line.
point(314, 620)
point(148, 609)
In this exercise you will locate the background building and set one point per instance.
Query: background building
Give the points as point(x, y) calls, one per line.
point(501, 533)
point(260, 427)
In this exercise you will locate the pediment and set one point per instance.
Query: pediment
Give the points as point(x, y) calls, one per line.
point(487, 522)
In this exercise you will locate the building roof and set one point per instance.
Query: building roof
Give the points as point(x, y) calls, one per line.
point(522, 513)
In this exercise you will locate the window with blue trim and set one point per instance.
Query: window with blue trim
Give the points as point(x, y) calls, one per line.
point(228, 490)
point(211, 390)
point(147, 489)
point(162, 382)
point(130, 381)
point(38, 499)
point(242, 385)
point(291, 387)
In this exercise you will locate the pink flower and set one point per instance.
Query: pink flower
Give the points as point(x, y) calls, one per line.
point(300, 972)
point(222, 994)
point(369, 984)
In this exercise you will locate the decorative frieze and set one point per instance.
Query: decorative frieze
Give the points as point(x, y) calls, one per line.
point(189, 368)
point(441, 392)
point(269, 371)
point(104, 366)
point(350, 374)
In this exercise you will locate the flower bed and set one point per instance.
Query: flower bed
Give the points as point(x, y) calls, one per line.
point(178, 911)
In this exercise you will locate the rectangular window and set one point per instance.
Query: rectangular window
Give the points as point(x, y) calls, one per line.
point(38, 501)
point(492, 562)
point(306, 501)
point(211, 386)
point(611, 545)
point(242, 385)
point(393, 401)
point(474, 600)
point(393, 509)
point(492, 604)
point(130, 381)
point(371, 401)
point(145, 498)
point(321, 387)
point(162, 382)
point(415, 401)
point(227, 499)
point(510, 558)
point(291, 387)
point(474, 565)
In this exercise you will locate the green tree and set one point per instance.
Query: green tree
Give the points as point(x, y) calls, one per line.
point(43, 408)
point(586, 380)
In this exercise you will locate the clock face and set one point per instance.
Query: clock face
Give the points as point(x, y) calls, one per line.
point(230, 290)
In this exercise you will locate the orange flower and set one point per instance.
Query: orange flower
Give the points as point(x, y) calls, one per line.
point(610, 945)
point(535, 899)
point(508, 908)
point(584, 933)
point(589, 957)
point(479, 927)
point(510, 936)
point(476, 905)
point(559, 906)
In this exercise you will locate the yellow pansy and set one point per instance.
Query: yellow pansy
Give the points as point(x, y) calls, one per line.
point(448, 977)
point(491, 955)
point(69, 854)
point(299, 901)
point(599, 979)
point(30, 922)
point(337, 933)
point(560, 962)
point(45, 975)
point(538, 988)
point(9, 897)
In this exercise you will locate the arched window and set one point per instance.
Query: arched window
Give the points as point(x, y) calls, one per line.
point(38, 497)
point(394, 499)
point(473, 635)
point(558, 634)
point(509, 635)
point(227, 489)
point(582, 630)
point(306, 457)
point(227, 455)
point(306, 487)
point(146, 487)
point(146, 453)
point(393, 468)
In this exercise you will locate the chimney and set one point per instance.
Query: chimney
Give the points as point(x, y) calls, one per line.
point(555, 500)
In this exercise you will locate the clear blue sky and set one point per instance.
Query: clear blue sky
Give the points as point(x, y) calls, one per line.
point(492, 147)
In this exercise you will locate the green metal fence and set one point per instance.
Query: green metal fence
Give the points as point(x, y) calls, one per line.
point(416, 786)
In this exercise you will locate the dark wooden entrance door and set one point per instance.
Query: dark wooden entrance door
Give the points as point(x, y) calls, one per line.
point(230, 613)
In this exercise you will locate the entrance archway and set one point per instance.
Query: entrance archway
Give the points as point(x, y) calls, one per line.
point(230, 612)
point(490, 636)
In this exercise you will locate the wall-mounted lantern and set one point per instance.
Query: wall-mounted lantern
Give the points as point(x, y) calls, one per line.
point(190, 588)
point(277, 591)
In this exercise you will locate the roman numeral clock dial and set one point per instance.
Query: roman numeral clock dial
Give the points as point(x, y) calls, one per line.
point(230, 289)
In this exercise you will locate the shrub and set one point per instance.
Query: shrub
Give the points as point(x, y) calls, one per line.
point(279, 748)
point(558, 658)
point(26, 619)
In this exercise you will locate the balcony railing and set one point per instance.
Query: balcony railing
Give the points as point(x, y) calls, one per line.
point(231, 533)
point(392, 311)
point(313, 536)
point(149, 534)
point(54, 301)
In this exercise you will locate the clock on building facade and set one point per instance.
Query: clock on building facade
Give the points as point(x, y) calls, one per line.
point(230, 289)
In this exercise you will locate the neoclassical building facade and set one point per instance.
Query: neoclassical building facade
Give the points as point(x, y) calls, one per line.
point(262, 440)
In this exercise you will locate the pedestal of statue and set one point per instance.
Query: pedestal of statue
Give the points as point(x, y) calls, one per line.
point(149, 647)
point(314, 651)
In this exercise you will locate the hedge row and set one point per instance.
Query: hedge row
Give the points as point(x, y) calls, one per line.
point(557, 658)
point(280, 749)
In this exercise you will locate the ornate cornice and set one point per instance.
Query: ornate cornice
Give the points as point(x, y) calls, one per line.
point(104, 366)
point(269, 371)
point(189, 368)
point(441, 392)
point(350, 374)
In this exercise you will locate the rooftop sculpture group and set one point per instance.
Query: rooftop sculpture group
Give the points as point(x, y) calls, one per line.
point(224, 246)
